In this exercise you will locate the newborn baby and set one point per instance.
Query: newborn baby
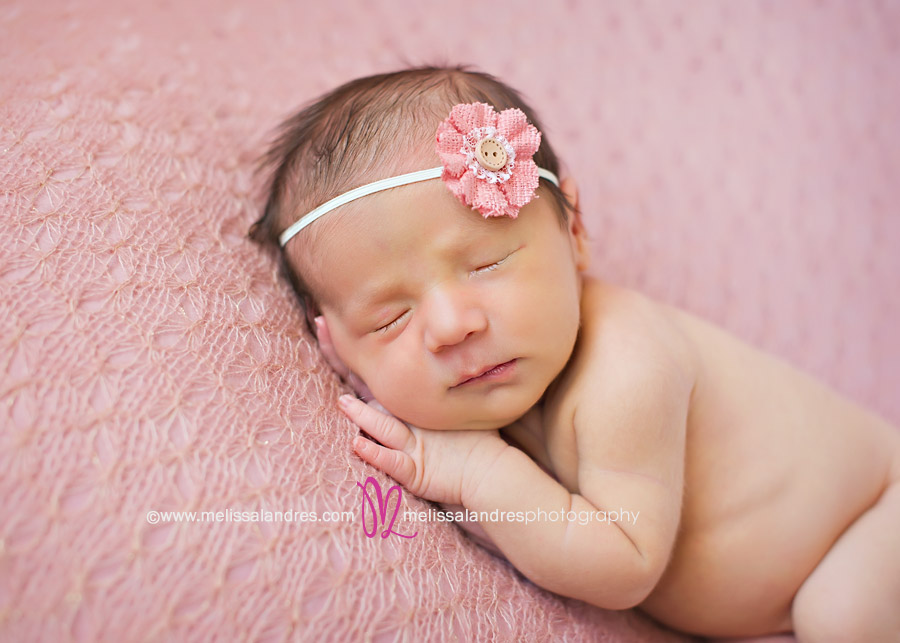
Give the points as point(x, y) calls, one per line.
point(442, 263)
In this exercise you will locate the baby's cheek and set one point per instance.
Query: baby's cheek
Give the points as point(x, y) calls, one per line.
point(405, 395)
point(388, 387)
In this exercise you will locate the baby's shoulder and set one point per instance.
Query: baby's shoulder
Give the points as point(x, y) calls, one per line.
point(628, 346)
point(622, 328)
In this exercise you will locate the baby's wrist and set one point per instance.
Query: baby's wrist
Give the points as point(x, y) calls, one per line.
point(480, 467)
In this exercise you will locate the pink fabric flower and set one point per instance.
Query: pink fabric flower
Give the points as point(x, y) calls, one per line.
point(473, 141)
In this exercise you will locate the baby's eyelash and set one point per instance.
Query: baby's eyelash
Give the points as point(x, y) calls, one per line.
point(491, 266)
point(390, 325)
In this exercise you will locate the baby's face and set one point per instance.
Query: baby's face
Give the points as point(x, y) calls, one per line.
point(421, 294)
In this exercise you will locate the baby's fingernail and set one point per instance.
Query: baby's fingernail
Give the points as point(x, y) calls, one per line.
point(318, 322)
point(344, 401)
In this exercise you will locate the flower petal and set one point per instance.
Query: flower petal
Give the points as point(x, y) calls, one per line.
point(453, 184)
point(467, 189)
point(510, 122)
point(522, 184)
point(507, 193)
point(468, 116)
point(454, 164)
point(447, 139)
point(526, 142)
point(449, 143)
point(489, 199)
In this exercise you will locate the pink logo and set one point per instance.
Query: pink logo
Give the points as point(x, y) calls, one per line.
point(382, 509)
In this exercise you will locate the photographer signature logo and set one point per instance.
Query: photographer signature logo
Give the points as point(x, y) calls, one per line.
point(380, 518)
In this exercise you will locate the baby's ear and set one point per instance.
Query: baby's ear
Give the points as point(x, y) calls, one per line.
point(577, 232)
point(326, 345)
point(570, 190)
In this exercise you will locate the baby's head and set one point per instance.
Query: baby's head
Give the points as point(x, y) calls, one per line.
point(420, 291)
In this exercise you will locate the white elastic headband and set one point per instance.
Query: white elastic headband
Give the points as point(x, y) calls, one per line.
point(371, 188)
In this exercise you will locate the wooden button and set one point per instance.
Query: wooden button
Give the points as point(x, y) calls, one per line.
point(490, 154)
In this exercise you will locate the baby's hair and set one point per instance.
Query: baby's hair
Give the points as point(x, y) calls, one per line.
point(365, 130)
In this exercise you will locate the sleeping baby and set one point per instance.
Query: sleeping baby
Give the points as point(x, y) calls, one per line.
point(442, 262)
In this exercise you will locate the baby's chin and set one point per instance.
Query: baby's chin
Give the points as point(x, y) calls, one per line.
point(486, 411)
point(438, 421)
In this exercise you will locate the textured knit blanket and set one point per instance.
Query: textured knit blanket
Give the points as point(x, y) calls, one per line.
point(739, 160)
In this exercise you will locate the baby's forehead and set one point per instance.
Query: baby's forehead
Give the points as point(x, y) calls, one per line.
point(390, 236)
point(427, 209)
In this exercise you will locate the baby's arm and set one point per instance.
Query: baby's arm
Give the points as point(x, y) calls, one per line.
point(630, 427)
point(630, 434)
point(630, 431)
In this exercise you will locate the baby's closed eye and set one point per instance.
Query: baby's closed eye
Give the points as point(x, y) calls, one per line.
point(395, 322)
point(484, 268)
point(490, 266)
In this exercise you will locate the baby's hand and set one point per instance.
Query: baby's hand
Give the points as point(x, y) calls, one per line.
point(442, 466)
point(405, 460)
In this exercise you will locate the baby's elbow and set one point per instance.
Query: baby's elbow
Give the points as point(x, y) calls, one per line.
point(633, 587)
point(640, 572)
point(632, 579)
point(651, 563)
point(634, 595)
point(622, 585)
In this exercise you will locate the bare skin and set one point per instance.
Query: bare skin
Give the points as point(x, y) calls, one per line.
point(791, 492)
point(767, 502)
point(777, 469)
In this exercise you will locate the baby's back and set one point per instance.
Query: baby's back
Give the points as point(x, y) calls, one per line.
point(777, 466)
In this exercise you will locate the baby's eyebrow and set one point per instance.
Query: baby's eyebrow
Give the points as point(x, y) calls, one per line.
point(373, 297)
point(369, 295)
point(472, 242)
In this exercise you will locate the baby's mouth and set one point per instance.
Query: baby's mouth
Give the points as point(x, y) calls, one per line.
point(495, 373)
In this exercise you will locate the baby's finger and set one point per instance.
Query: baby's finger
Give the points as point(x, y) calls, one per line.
point(396, 464)
point(375, 404)
point(387, 429)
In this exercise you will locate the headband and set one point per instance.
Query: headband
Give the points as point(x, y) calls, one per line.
point(487, 165)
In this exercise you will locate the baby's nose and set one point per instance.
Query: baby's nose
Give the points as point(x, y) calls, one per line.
point(452, 315)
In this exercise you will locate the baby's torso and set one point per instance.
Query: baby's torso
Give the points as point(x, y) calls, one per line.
point(776, 467)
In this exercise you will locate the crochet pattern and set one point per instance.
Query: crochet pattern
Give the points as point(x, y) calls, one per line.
point(736, 159)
